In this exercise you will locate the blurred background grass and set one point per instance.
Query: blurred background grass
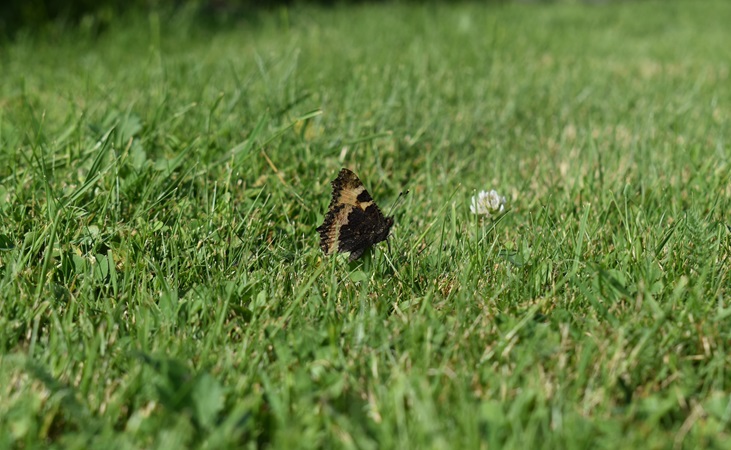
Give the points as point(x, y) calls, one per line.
point(42, 15)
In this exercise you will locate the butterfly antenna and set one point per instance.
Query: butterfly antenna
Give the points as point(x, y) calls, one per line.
point(398, 201)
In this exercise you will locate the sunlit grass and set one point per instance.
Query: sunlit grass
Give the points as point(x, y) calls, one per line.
point(161, 283)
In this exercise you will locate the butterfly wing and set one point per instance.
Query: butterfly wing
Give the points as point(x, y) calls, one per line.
point(363, 229)
point(353, 221)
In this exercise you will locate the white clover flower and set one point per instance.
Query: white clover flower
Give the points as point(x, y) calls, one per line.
point(487, 203)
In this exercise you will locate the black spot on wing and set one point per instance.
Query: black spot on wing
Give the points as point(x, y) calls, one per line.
point(364, 197)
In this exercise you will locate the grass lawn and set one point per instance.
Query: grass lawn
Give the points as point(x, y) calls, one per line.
point(161, 282)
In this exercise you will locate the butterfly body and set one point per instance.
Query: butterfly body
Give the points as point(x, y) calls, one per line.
point(353, 221)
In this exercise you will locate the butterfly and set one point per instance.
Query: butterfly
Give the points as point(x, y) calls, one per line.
point(353, 221)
